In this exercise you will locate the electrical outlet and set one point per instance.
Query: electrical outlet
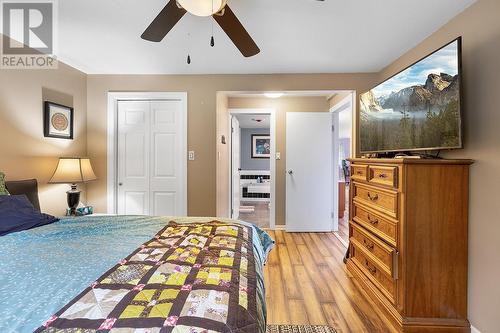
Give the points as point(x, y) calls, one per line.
point(278, 156)
point(191, 155)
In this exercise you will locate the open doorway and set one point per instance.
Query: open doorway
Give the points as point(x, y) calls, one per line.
point(297, 202)
point(252, 146)
point(342, 109)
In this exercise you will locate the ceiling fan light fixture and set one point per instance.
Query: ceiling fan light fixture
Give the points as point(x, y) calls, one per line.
point(202, 7)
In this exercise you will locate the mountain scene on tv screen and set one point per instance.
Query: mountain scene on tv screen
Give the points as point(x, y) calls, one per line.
point(416, 109)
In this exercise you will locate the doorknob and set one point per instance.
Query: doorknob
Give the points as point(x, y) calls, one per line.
point(120, 184)
point(290, 172)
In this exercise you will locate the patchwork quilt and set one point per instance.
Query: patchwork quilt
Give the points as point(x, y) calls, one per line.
point(191, 277)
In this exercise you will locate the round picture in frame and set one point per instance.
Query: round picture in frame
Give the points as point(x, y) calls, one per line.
point(58, 121)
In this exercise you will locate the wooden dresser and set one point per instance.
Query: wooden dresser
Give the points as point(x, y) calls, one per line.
point(408, 240)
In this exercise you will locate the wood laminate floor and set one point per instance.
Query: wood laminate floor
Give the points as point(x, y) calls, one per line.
point(308, 283)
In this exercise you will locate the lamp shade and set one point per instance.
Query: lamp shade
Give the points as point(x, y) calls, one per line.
point(73, 170)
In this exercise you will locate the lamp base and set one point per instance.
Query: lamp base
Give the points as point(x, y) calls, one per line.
point(73, 198)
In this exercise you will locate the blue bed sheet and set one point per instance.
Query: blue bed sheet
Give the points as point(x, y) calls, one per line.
point(43, 269)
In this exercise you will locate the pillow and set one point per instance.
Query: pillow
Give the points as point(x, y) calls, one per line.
point(17, 214)
point(28, 187)
point(266, 241)
point(3, 190)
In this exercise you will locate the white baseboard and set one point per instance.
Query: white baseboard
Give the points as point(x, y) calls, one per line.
point(474, 330)
point(346, 244)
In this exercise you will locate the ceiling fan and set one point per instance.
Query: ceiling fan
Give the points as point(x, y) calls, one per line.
point(218, 9)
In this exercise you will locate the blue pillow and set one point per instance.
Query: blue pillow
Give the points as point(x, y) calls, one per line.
point(17, 214)
point(266, 241)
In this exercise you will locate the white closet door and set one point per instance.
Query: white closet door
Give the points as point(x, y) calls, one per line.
point(167, 158)
point(152, 158)
point(133, 157)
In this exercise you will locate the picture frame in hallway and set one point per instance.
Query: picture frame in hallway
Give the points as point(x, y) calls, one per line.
point(261, 146)
point(57, 121)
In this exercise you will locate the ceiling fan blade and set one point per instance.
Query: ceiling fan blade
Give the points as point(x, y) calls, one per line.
point(236, 32)
point(164, 22)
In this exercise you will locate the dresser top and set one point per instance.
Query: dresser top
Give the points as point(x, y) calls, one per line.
point(410, 161)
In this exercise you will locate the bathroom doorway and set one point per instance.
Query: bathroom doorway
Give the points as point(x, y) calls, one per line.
point(252, 146)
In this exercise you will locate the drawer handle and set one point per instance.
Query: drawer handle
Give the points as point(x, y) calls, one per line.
point(370, 268)
point(368, 245)
point(382, 175)
point(359, 172)
point(372, 221)
point(372, 197)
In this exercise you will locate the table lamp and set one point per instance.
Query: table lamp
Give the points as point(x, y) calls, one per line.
point(73, 170)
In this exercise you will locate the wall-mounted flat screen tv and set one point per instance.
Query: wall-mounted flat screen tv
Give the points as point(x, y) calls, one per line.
point(416, 109)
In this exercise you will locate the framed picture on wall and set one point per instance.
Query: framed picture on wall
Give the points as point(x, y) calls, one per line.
point(57, 121)
point(261, 146)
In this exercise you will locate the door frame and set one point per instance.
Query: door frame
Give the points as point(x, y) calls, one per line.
point(112, 140)
point(272, 133)
point(347, 102)
point(235, 211)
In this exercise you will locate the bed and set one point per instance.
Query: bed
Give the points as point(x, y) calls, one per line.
point(125, 274)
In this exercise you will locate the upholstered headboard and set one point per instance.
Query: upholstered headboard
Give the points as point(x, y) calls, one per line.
point(27, 187)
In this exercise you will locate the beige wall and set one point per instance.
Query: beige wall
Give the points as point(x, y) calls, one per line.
point(202, 91)
point(480, 27)
point(24, 151)
point(281, 106)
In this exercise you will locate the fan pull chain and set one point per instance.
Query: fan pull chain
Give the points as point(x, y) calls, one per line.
point(188, 60)
point(212, 40)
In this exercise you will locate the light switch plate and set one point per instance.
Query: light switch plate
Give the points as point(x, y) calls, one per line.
point(191, 155)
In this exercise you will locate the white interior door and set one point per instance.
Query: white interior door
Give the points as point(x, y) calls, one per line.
point(151, 158)
point(133, 157)
point(167, 157)
point(235, 166)
point(309, 165)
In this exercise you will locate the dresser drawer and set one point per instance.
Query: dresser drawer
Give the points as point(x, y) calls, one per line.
point(385, 228)
point(359, 172)
point(373, 272)
point(382, 253)
point(382, 200)
point(383, 175)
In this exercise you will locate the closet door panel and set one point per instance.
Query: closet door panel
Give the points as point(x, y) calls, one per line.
point(133, 175)
point(167, 157)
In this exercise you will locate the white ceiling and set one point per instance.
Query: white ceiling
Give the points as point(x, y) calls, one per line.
point(248, 120)
point(295, 36)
